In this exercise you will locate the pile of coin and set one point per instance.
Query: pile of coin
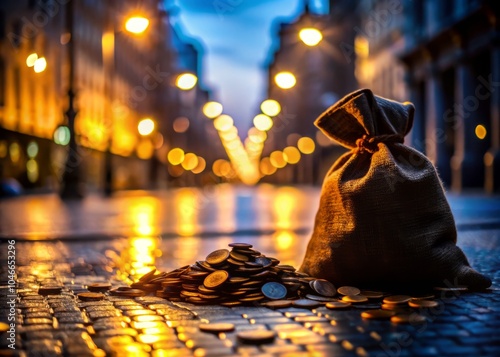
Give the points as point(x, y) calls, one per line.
point(241, 275)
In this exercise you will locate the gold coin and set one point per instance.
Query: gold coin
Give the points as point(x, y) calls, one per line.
point(395, 307)
point(348, 290)
point(423, 297)
point(99, 287)
point(397, 299)
point(354, 298)
point(148, 276)
point(216, 327)
point(217, 257)
point(126, 291)
point(423, 303)
point(377, 314)
point(372, 294)
point(215, 279)
point(306, 303)
point(256, 336)
point(335, 305)
point(408, 319)
point(90, 296)
point(238, 256)
point(278, 304)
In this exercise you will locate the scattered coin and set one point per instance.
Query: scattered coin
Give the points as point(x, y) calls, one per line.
point(397, 299)
point(90, 296)
point(377, 314)
point(319, 298)
point(240, 245)
point(217, 257)
point(422, 297)
point(279, 304)
point(335, 305)
point(348, 290)
point(216, 279)
point(354, 298)
point(99, 287)
point(423, 303)
point(408, 319)
point(256, 337)
point(306, 303)
point(148, 276)
point(49, 290)
point(324, 287)
point(126, 291)
point(372, 294)
point(216, 327)
point(274, 291)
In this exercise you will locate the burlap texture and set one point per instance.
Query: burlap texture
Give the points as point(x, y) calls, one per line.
point(383, 218)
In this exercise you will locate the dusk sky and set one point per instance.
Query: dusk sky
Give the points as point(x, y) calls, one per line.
point(237, 37)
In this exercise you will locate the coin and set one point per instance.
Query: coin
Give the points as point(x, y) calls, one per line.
point(216, 327)
point(408, 319)
point(148, 276)
point(377, 314)
point(422, 297)
point(126, 291)
point(306, 303)
point(240, 245)
point(324, 287)
point(395, 307)
point(334, 305)
point(217, 257)
point(423, 303)
point(99, 287)
point(237, 256)
point(396, 299)
point(372, 294)
point(49, 290)
point(278, 304)
point(90, 296)
point(348, 290)
point(216, 279)
point(354, 298)
point(256, 337)
point(320, 298)
point(263, 261)
point(274, 291)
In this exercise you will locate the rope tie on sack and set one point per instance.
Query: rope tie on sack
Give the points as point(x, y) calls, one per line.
point(370, 143)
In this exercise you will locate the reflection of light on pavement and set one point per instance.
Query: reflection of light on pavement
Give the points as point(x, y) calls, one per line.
point(186, 207)
point(138, 258)
point(283, 207)
point(187, 250)
point(225, 200)
point(285, 243)
point(143, 212)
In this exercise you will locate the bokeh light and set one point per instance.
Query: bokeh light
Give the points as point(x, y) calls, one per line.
point(30, 60)
point(40, 65)
point(181, 124)
point(32, 149)
point(270, 107)
point(223, 122)
point(62, 135)
point(291, 154)
point(190, 161)
point(212, 109)
point(481, 132)
point(202, 164)
point(306, 145)
point(186, 81)
point(285, 80)
point(277, 159)
point(175, 156)
point(310, 36)
point(146, 126)
point(262, 122)
point(136, 24)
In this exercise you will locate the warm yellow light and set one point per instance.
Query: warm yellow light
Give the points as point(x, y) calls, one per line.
point(181, 124)
point(291, 154)
point(256, 136)
point(306, 145)
point(32, 170)
point(62, 135)
point(31, 59)
point(40, 65)
point(223, 122)
point(262, 122)
point(310, 36)
point(146, 126)
point(270, 107)
point(32, 149)
point(285, 80)
point(266, 168)
point(362, 47)
point(186, 81)
point(190, 161)
point(145, 149)
point(175, 156)
point(200, 167)
point(481, 131)
point(136, 24)
point(277, 159)
point(230, 134)
point(212, 109)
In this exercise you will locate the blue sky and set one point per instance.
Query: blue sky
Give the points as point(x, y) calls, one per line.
point(237, 37)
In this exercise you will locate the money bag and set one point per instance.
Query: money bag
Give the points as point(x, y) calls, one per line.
point(383, 217)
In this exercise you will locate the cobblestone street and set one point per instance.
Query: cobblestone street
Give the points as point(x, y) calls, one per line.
point(118, 240)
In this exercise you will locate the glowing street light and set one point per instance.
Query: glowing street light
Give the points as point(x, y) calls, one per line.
point(136, 24)
point(186, 81)
point(270, 107)
point(285, 80)
point(40, 65)
point(31, 59)
point(212, 109)
point(223, 123)
point(262, 122)
point(146, 126)
point(310, 36)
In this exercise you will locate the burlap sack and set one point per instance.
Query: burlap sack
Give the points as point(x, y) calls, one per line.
point(383, 218)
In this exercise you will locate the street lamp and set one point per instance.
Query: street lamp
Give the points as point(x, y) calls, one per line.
point(186, 81)
point(285, 80)
point(310, 36)
point(136, 24)
point(146, 126)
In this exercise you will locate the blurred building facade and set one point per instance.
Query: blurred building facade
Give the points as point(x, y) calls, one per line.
point(449, 56)
point(324, 73)
point(110, 103)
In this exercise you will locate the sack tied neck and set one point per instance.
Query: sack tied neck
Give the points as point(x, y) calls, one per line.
point(369, 143)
